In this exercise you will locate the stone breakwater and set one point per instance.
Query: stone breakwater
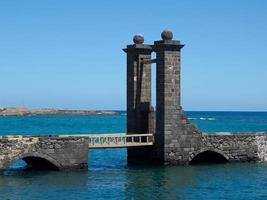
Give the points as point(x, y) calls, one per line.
point(26, 111)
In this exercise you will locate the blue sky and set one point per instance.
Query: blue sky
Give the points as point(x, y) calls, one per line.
point(68, 54)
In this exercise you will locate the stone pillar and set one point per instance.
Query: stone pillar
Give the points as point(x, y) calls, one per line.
point(172, 134)
point(138, 93)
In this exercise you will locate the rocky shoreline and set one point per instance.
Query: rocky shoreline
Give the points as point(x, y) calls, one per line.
point(27, 111)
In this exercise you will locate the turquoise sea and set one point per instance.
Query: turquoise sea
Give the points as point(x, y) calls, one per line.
point(109, 177)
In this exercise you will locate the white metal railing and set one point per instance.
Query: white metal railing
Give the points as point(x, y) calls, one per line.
point(119, 140)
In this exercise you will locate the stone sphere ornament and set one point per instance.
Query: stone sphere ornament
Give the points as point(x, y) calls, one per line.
point(167, 35)
point(138, 39)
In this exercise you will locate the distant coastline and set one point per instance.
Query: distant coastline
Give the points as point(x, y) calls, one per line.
point(28, 111)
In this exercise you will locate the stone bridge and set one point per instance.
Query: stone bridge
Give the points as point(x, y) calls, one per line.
point(44, 152)
point(234, 147)
point(58, 152)
point(225, 147)
point(160, 135)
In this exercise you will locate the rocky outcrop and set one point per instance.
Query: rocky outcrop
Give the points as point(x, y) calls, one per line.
point(26, 111)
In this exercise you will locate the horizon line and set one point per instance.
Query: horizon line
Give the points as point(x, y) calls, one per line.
point(83, 109)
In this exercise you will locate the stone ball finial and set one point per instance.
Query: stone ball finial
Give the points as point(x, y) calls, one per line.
point(166, 35)
point(138, 39)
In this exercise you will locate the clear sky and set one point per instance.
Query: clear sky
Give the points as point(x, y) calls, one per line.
point(68, 54)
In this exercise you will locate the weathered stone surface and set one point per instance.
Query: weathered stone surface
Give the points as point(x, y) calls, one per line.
point(138, 39)
point(167, 35)
point(235, 147)
point(175, 137)
point(177, 141)
point(61, 152)
point(139, 111)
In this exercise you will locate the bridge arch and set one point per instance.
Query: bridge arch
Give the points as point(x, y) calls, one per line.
point(208, 156)
point(37, 161)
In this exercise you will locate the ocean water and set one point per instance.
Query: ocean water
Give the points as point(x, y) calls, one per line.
point(109, 177)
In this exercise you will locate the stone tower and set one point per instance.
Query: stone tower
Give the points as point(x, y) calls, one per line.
point(174, 136)
point(138, 94)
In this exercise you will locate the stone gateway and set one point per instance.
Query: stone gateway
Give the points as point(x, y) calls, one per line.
point(161, 135)
point(176, 140)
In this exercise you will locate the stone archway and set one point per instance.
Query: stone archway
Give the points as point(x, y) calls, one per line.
point(208, 156)
point(37, 161)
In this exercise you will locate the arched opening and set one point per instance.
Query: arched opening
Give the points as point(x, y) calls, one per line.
point(38, 163)
point(208, 157)
point(29, 163)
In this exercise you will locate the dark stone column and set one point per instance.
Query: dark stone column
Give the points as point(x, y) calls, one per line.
point(172, 131)
point(138, 94)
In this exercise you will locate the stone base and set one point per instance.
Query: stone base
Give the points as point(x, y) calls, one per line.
point(140, 155)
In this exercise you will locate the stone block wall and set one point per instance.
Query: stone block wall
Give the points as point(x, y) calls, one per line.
point(175, 136)
point(235, 147)
point(62, 152)
point(180, 143)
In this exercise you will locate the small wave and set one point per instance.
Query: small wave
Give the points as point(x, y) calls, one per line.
point(192, 118)
point(211, 119)
point(202, 118)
